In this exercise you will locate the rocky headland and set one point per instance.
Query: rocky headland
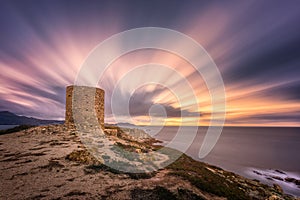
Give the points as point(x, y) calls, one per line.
point(50, 162)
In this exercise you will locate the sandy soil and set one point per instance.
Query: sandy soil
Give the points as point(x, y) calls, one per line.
point(33, 165)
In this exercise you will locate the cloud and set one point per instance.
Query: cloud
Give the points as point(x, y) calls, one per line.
point(254, 44)
point(270, 64)
point(269, 119)
point(141, 102)
point(288, 91)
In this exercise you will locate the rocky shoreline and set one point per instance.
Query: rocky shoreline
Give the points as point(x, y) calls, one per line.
point(50, 162)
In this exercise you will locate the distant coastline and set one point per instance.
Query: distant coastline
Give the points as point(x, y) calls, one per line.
point(9, 118)
point(4, 127)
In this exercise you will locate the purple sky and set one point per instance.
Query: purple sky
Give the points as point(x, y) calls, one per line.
point(255, 45)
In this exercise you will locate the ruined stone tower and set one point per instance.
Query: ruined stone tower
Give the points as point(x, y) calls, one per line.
point(87, 103)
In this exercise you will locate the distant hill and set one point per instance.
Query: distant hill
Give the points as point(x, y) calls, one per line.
point(8, 118)
point(125, 124)
point(120, 124)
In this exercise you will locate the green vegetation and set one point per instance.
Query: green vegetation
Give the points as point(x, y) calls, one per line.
point(158, 193)
point(94, 166)
point(126, 147)
point(198, 175)
point(92, 169)
point(161, 193)
point(188, 195)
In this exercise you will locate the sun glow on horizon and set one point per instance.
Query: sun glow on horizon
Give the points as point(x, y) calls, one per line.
point(42, 53)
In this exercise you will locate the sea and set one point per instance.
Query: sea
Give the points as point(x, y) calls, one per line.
point(268, 154)
point(4, 127)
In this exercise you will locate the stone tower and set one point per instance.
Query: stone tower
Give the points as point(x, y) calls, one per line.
point(87, 103)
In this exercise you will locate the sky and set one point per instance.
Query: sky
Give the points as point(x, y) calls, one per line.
point(255, 45)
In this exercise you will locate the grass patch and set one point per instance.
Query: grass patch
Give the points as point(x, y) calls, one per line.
point(198, 175)
point(158, 193)
point(188, 195)
point(93, 169)
point(126, 147)
point(161, 193)
point(95, 166)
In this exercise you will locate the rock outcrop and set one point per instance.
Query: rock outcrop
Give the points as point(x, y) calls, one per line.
point(50, 162)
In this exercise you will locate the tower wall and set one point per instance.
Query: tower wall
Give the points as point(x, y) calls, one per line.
point(82, 104)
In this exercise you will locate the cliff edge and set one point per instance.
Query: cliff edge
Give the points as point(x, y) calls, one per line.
point(50, 162)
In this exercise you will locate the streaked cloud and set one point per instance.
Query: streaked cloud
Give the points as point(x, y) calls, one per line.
point(254, 44)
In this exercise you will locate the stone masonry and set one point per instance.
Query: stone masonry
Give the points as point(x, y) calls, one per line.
point(86, 103)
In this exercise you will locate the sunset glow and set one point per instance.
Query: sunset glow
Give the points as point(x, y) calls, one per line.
point(43, 46)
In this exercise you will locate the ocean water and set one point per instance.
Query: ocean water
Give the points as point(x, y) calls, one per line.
point(3, 127)
point(267, 154)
